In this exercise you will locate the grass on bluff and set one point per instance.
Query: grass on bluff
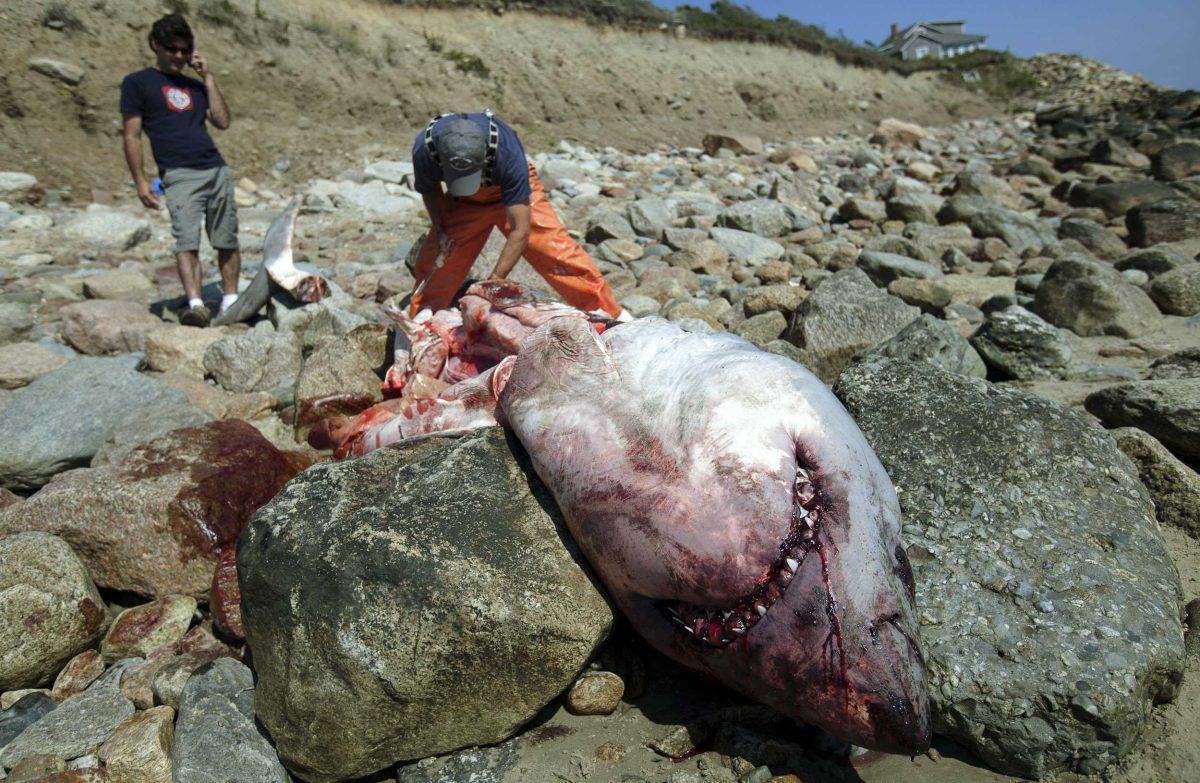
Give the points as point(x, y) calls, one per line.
point(465, 62)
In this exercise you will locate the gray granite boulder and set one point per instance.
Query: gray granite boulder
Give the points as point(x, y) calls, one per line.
point(1180, 364)
point(1174, 486)
point(261, 359)
point(102, 228)
point(844, 315)
point(1169, 220)
point(1092, 299)
point(1022, 346)
point(650, 217)
point(144, 426)
point(1117, 198)
point(1049, 604)
point(450, 542)
point(27, 710)
point(765, 217)
point(932, 340)
point(883, 268)
point(749, 249)
point(216, 738)
point(1177, 161)
point(63, 418)
point(1020, 232)
point(1098, 240)
point(49, 609)
point(1169, 410)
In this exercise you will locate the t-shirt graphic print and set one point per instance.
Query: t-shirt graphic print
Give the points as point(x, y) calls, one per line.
point(178, 98)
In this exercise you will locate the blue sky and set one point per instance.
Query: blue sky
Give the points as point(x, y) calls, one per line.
point(1159, 39)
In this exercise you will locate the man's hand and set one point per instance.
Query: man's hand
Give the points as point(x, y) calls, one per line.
point(201, 65)
point(519, 220)
point(146, 194)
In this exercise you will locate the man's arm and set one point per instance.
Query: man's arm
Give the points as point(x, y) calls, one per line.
point(519, 219)
point(132, 139)
point(218, 110)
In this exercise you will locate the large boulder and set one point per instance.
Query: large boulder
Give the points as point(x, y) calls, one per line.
point(845, 314)
point(78, 727)
point(1049, 602)
point(749, 249)
point(261, 359)
point(883, 268)
point(452, 543)
point(100, 326)
point(1092, 299)
point(23, 363)
point(765, 217)
point(1117, 198)
point(16, 186)
point(143, 426)
point(1168, 220)
point(1177, 161)
point(127, 284)
point(49, 609)
point(180, 349)
point(1168, 409)
point(60, 420)
point(155, 522)
point(1020, 232)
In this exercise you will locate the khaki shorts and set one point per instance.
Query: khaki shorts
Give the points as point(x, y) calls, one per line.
point(201, 196)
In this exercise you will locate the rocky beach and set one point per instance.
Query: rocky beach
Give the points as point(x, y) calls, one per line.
point(1008, 307)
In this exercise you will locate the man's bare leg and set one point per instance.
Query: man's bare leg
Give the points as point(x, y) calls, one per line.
point(188, 264)
point(230, 263)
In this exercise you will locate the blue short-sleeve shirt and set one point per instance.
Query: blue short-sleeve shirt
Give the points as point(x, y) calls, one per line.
point(511, 172)
point(173, 110)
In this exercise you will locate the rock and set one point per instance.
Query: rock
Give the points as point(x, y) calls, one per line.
point(1054, 661)
point(80, 672)
point(1165, 220)
point(15, 321)
point(225, 597)
point(846, 313)
point(782, 297)
point(261, 359)
point(1020, 345)
point(932, 340)
point(1098, 240)
point(376, 198)
point(608, 224)
point(892, 132)
point(1176, 292)
point(139, 630)
point(762, 328)
point(883, 268)
point(215, 736)
point(124, 284)
point(650, 217)
point(1019, 232)
point(27, 710)
point(914, 207)
point(78, 727)
point(1168, 410)
point(313, 323)
point(23, 363)
point(338, 367)
point(45, 430)
point(477, 765)
point(504, 616)
point(1175, 162)
point(155, 522)
point(160, 678)
point(738, 143)
point(765, 217)
point(705, 257)
point(1092, 299)
point(396, 171)
point(1174, 487)
point(971, 182)
point(862, 208)
point(1181, 364)
point(49, 609)
point(932, 296)
point(640, 306)
point(1113, 151)
point(101, 228)
point(101, 326)
point(16, 186)
point(56, 69)
point(747, 248)
point(595, 693)
point(145, 425)
point(1119, 197)
point(139, 751)
point(1154, 261)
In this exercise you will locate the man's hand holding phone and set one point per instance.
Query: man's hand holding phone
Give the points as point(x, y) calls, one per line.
point(200, 64)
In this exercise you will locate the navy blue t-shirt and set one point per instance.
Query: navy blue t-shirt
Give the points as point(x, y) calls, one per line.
point(173, 110)
point(511, 172)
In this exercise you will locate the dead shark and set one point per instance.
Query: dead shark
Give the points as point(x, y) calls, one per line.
point(727, 500)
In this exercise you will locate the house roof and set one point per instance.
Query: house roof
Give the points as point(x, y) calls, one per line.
point(931, 31)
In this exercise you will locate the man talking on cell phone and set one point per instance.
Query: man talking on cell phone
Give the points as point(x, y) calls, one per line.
point(172, 109)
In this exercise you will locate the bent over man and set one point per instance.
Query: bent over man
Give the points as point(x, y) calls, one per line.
point(490, 184)
point(172, 109)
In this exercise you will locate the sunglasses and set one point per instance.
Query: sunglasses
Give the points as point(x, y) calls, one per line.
point(176, 49)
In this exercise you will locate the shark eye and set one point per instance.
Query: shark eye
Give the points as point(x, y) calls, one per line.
point(904, 569)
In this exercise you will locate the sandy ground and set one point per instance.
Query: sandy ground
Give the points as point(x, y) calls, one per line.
point(323, 84)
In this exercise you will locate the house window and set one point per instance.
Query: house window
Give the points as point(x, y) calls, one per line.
point(921, 51)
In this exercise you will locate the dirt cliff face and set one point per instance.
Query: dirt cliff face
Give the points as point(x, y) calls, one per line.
point(313, 81)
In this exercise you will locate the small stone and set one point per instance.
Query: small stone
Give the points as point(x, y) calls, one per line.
point(139, 751)
point(79, 726)
point(77, 675)
point(138, 631)
point(595, 693)
point(56, 69)
point(23, 363)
